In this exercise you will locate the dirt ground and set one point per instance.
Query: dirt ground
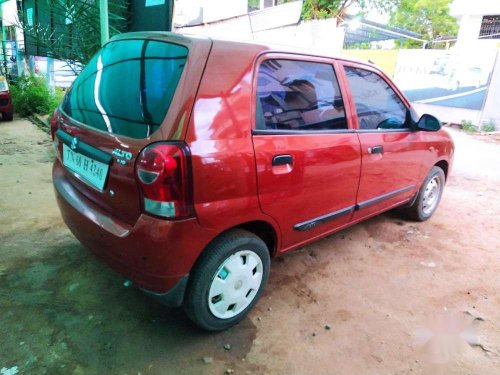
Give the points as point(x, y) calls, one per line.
point(384, 297)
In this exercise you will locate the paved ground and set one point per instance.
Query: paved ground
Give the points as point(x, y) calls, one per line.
point(384, 288)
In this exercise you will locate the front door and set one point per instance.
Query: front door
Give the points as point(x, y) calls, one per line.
point(307, 157)
point(391, 150)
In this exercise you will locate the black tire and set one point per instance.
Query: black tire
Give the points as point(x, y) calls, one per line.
point(416, 210)
point(7, 116)
point(204, 272)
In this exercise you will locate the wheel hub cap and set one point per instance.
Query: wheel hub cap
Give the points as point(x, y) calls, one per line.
point(238, 284)
point(431, 195)
point(235, 284)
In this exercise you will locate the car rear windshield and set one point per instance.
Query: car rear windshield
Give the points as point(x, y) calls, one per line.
point(126, 89)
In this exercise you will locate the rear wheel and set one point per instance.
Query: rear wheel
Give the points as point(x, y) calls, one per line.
point(8, 116)
point(428, 197)
point(227, 280)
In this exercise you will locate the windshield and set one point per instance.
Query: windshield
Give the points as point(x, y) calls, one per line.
point(126, 89)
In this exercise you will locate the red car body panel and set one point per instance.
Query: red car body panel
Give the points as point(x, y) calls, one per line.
point(5, 102)
point(222, 156)
point(234, 182)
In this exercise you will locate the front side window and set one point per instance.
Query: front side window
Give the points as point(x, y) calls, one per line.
point(126, 89)
point(298, 95)
point(377, 104)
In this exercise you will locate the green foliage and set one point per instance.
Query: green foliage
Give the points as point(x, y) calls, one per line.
point(468, 126)
point(253, 5)
point(488, 126)
point(360, 45)
point(31, 95)
point(74, 36)
point(57, 97)
point(320, 9)
point(430, 18)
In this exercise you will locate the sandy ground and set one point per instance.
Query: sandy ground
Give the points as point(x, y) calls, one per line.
point(386, 296)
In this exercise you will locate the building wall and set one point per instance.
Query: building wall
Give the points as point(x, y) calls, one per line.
point(470, 15)
point(474, 8)
point(468, 33)
point(317, 36)
point(196, 12)
point(273, 25)
point(490, 111)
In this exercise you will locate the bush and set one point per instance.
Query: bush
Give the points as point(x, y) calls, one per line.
point(488, 126)
point(57, 97)
point(468, 126)
point(31, 95)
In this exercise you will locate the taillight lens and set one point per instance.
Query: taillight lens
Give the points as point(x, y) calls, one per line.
point(163, 174)
point(53, 125)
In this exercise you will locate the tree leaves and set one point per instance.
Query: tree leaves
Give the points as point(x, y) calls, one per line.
point(73, 35)
point(430, 18)
point(320, 9)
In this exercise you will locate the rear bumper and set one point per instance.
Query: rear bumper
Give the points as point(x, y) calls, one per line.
point(157, 255)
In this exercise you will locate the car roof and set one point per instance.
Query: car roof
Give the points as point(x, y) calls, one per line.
point(279, 48)
point(257, 46)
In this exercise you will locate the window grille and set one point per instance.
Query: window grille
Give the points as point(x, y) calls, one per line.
point(490, 27)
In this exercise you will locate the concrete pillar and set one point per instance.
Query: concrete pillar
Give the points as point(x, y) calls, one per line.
point(50, 73)
point(490, 110)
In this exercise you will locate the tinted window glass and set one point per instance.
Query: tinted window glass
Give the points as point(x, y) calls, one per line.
point(298, 95)
point(127, 87)
point(377, 105)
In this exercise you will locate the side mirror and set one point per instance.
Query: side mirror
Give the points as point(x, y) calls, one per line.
point(428, 123)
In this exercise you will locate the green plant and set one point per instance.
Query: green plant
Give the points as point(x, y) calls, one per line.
point(429, 18)
point(468, 126)
point(72, 35)
point(320, 9)
point(488, 126)
point(31, 95)
point(57, 97)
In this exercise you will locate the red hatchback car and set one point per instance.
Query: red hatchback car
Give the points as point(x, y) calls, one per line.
point(185, 163)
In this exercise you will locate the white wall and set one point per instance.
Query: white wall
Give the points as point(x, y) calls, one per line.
point(318, 36)
point(491, 110)
point(474, 8)
point(470, 15)
point(276, 25)
point(9, 12)
point(195, 12)
point(468, 34)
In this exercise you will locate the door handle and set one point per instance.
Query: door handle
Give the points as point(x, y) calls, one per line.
point(282, 160)
point(376, 150)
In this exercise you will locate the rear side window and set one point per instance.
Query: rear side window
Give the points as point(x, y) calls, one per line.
point(377, 104)
point(126, 89)
point(298, 95)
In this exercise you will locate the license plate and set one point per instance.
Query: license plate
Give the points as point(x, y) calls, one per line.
point(89, 170)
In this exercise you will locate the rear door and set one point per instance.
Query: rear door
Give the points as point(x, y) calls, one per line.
point(307, 155)
point(132, 93)
point(392, 152)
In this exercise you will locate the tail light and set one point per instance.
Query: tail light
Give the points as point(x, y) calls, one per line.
point(53, 125)
point(163, 173)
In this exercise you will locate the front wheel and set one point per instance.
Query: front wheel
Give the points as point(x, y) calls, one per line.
point(428, 197)
point(227, 280)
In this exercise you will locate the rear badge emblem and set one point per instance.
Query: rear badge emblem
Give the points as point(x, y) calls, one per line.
point(122, 157)
point(74, 143)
